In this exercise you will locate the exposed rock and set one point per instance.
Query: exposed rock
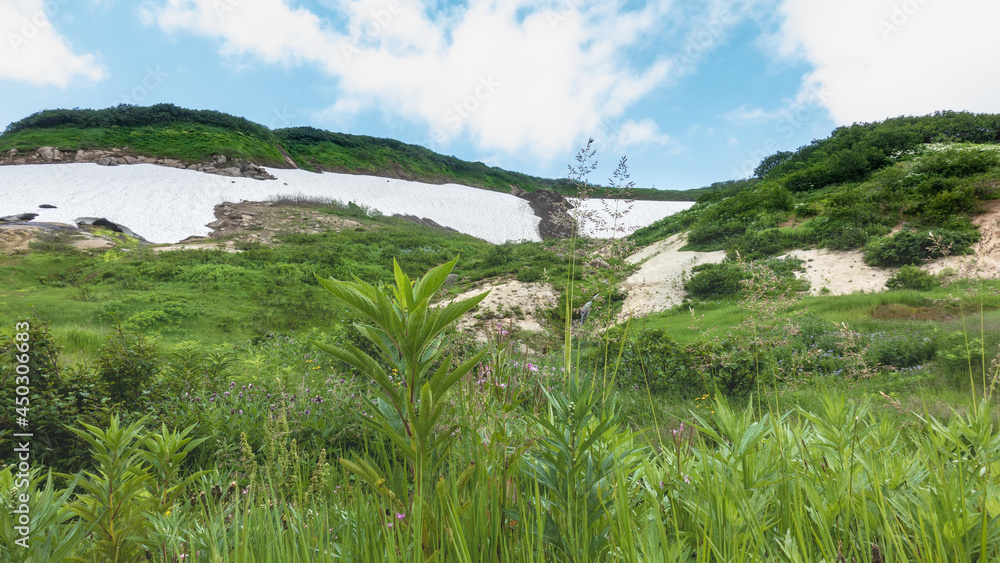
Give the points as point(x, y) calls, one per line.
point(49, 153)
point(516, 191)
point(18, 218)
point(105, 224)
point(47, 206)
point(553, 210)
point(219, 164)
point(424, 221)
point(599, 263)
point(451, 279)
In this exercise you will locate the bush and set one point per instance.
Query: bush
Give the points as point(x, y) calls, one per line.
point(911, 277)
point(529, 274)
point(711, 281)
point(126, 365)
point(914, 247)
point(957, 162)
point(58, 397)
point(652, 358)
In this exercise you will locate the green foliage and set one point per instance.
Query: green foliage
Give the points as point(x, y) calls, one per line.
point(957, 162)
point(126, 365)
point(652, 360)
point(54, 534)
point(576, 466)
point(57, 395)
point(728, 279)
point(712, 281)
point(406, 332)
point(911, 277)
point(916, 247)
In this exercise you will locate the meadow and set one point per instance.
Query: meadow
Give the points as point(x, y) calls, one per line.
point(312, 400)
point(208, 406)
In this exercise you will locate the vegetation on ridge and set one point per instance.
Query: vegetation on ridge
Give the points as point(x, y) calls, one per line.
point(168, 131)
point(921, 174)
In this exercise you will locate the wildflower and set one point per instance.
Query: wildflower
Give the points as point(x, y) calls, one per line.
point(400, 516)
point(239, 411)
point(232, 384)
point(390, 524)
point(532, 367)
point(308, 411)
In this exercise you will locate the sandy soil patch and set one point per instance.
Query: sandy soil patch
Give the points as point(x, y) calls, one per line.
point(985, 260)
point(14, 239)
point(508, 300)
point(18, 237)
point(841, 272)
point(659, 283)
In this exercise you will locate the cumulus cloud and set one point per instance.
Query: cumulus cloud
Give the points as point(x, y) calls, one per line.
point(513, 75)
point(32, 51)
point(883, 58)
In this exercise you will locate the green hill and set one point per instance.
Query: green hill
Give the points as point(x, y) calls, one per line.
point(168, 131)
point(883, 187)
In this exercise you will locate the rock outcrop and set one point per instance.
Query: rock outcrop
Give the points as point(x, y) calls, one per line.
point(219, 164)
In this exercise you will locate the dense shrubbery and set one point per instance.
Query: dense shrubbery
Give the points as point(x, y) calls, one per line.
point(910, 247)
point(125, 115)
point(728, 279)
point(911, 277)
point(847, 190)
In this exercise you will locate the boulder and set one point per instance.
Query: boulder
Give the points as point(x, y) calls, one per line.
point(49, 153)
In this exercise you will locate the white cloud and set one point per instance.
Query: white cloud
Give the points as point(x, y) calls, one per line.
point(513, 75)
point(32, 51)
point(883, 58)
point(644, 132)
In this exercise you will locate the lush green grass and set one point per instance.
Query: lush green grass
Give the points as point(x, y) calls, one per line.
point(188, 142)
point(849, 191)
point(808, 468)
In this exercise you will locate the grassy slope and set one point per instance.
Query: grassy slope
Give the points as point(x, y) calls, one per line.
point(850, 188)
point(194, 136)
point(227, 298)
point(189, 142)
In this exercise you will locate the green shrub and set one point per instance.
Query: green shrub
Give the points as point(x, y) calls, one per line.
point(914, 247)
point(711, 281)
point(529, 274)
point(911, 277)
point(651, 357)
point(957, 162)
point(126, 365)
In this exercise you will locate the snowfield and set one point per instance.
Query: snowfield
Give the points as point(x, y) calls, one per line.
point(167, 205)
point(598, 216)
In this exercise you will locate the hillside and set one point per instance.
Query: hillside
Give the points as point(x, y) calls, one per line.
point(883, 188)
point(191, 137)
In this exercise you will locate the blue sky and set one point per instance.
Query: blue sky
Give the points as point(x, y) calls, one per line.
point(692, 92)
